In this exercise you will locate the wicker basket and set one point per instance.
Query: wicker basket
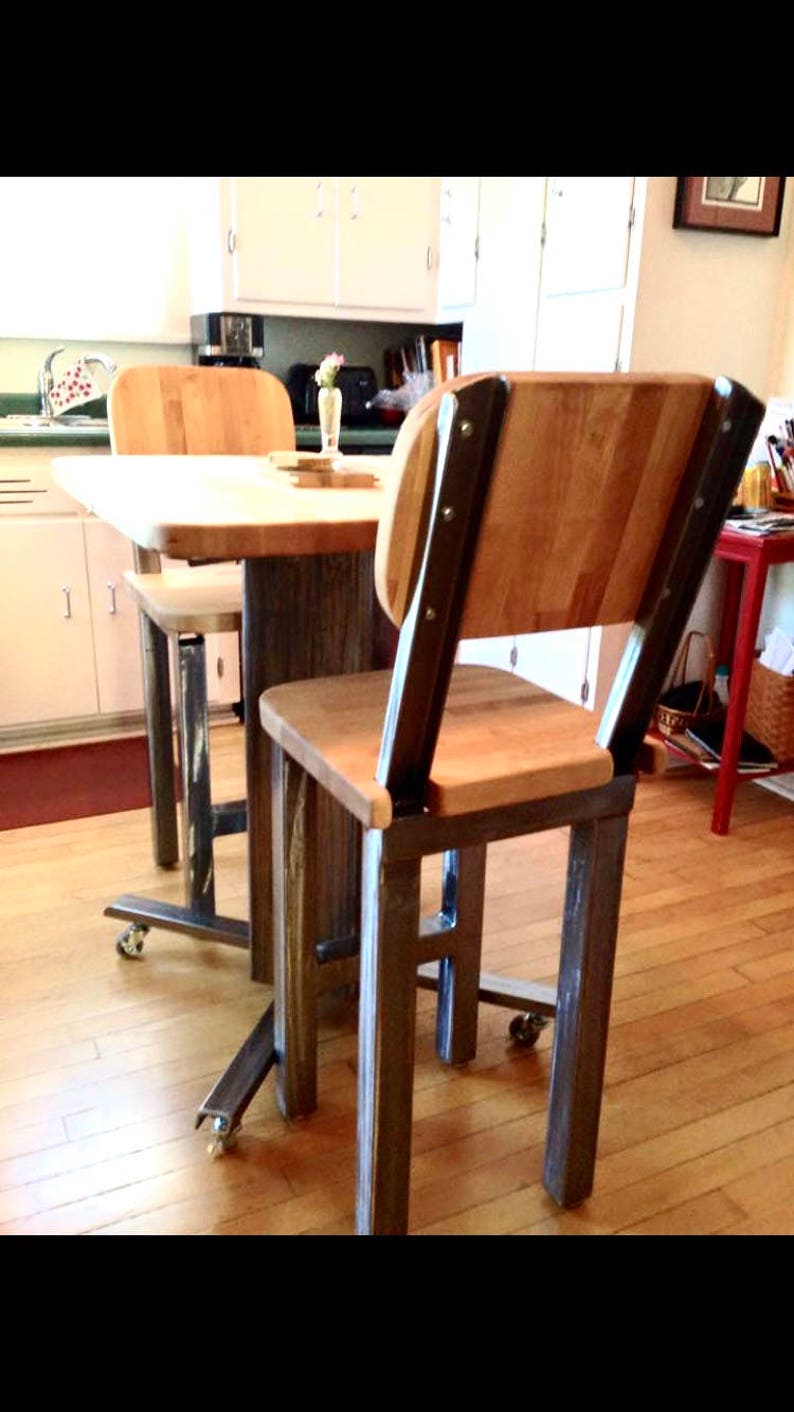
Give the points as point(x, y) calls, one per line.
point(685, 703)
point(770, 711)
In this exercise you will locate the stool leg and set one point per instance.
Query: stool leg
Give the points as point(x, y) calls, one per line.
point(294, 935)
point(387, 1027)
point(159, 733)
point(193, 722)
point(463, 900)
point(592, 903)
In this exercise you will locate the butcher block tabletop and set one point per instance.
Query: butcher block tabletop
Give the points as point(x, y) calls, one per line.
point(225, 506)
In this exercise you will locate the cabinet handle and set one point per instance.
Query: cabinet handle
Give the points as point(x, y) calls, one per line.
point(68, 595)
point(231, 242)
point(112, 603)
point(319, 202)
point(355, 198)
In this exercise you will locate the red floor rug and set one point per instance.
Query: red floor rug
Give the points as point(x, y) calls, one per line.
point(74, 781)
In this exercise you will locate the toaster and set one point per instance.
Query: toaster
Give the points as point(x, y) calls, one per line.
point(358, 386)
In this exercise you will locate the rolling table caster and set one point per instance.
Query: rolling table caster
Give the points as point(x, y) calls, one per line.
point(526, 1029)
point(129, 943)
point(228, 1099)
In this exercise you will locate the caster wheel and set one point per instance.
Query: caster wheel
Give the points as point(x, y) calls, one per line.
point(130, 942)
point(525, 1029)
point(224, 1137)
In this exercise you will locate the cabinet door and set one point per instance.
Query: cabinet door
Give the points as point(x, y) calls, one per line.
point(93, 258)
point(562, 662)
point(284, 239)
point(114, 617)
point(457, 249)
point(46, 648)
point(386, 243)
point(222, 651)
point(585, 273)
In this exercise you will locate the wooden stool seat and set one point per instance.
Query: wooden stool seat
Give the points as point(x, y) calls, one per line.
point(503, 741)
point(199, 600)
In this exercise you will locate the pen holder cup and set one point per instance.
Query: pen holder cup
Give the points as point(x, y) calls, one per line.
point(755, 490)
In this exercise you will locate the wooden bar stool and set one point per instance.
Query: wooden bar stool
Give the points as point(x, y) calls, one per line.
point(526, 502)
point(188, 410)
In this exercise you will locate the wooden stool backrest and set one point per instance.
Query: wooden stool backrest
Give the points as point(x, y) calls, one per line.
point(585, 475)
point(176, 410)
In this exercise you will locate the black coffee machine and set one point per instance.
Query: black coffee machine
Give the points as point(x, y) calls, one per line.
point(228, 340)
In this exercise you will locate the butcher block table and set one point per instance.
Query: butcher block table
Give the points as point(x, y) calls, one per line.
point(307, 570)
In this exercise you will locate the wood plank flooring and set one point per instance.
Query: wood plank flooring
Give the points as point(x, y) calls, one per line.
point(104, 1061)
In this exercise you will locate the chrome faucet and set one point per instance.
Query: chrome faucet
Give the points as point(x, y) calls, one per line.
point(103, 360)
point(46, 378)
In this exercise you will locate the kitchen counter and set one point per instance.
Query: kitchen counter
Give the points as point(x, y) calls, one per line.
point(376, 440)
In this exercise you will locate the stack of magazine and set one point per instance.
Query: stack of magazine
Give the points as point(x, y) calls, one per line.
point(761, 522)
point(704, 743)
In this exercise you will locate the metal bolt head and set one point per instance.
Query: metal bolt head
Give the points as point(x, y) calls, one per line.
point(466, 429)
point(430, 614)
point(447, 512)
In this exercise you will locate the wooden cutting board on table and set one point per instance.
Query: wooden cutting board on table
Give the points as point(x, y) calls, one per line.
point(310, 469)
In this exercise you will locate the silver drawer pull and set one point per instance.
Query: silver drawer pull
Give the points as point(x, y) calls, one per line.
point(112, 592)
point(68, 595)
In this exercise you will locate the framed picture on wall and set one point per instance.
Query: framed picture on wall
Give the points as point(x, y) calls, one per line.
point(742, 205)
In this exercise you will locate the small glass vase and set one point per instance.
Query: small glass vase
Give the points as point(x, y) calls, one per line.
point(329, 408)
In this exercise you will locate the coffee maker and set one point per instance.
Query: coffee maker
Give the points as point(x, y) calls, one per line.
point(228, 340)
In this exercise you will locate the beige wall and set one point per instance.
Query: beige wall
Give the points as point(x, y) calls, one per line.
point(718, 304)
point(21, 358)
point(713, 304)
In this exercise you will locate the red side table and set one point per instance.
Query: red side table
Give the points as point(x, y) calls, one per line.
point(748, 558)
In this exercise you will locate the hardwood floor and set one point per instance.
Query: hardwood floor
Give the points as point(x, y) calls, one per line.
point(105, 1060)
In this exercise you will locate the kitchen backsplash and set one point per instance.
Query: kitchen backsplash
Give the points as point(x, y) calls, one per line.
point(287, 341)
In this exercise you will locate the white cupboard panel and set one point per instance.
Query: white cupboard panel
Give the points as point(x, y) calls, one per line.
point(559, 661)
point(386, 244)
point(580, 333)
point(117, 646)
point(285, 239)
point(46, 646)
point(93, 258)
point(587, 233)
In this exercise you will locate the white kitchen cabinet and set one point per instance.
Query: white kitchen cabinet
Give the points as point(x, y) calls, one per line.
point(556, 287)
point(114, 619)
point(95, 258)
point(342, 247)
point(46, 641)
point(222, 651)
point(69, 638)
point(562, 662)
point(458, 243)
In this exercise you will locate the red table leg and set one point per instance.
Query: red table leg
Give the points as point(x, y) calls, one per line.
point(749, 617)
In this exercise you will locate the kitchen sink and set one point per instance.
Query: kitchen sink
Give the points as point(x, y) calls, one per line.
point(19, 421)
